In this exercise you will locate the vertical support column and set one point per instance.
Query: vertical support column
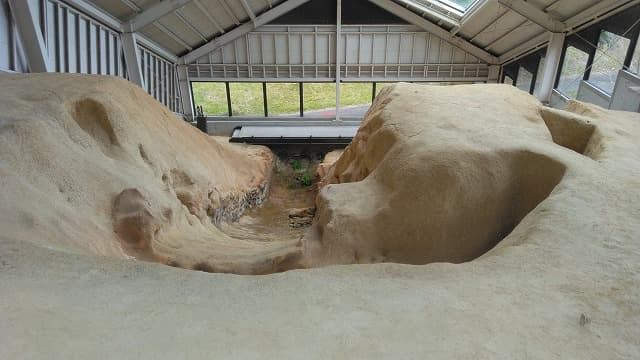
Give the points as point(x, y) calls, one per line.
point(494, 74)
point(265, 100)
point(25, 18)
point(338, 55)
point(635, 37)
point(301, 98)
point(551, 66)
point(132, 58)
point(228, 90)
point(186, 95)
point(534, 78)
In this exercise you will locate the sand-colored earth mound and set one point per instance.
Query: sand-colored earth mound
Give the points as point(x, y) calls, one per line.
point(444, 174)
point(94, 165)
point(527, 219)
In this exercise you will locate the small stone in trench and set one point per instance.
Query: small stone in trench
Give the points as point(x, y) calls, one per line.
point(301, 217)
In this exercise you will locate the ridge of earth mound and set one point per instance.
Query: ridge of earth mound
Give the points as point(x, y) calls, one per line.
point(94, 165)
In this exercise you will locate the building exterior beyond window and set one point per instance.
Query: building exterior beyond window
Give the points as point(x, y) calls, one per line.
point(609, 59)
point(573, 68)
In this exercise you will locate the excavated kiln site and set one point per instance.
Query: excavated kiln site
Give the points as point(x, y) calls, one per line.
point(501, 228)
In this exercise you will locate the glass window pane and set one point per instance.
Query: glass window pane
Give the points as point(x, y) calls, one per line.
point(524, 79)
point(508, 80)
point(283, 99)
point(612, 49)
point(573, 68)
point(246, 99)
point(635, 60)
point(464, 3)
point(355, 99)
point(460, 5)
point(212, 96)
point(319, 99)
point(536, 89)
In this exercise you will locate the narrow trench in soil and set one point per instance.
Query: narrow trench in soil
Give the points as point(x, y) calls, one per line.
point(293, 189)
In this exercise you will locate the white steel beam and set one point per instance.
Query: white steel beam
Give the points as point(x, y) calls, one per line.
point(247, 8)
point(229, 12)
point(26, 20)
point(172, 35)
point(154, 13)
point(534, 14)
point(132, 59)
point(427, 25)
point(477, 7)
point(208, 15)
point(595, 13)
point(186, 95)
point(241, 30)
point(338, 54)
point(551, 66)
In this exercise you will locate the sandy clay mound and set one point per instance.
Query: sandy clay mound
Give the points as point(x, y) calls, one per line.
point(422, 184)
point(94, 165)
point(527, 218)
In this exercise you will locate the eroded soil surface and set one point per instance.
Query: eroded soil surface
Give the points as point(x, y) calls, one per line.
point(293, 188)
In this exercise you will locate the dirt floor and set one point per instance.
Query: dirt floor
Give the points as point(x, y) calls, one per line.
point(293, 188)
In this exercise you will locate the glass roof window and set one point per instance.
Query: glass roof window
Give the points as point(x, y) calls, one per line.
point(453, 9)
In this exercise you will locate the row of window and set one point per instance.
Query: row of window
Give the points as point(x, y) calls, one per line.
point(612, 54)
point(281, 99)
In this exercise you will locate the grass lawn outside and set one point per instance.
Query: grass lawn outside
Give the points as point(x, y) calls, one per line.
point(283, 98)
point(211, 96)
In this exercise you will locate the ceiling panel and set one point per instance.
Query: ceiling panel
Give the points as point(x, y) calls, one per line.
point(492, 25)
point(156, 35)
point(482, 19)
point(199, 20)
point(117, 9)
point(499, 28)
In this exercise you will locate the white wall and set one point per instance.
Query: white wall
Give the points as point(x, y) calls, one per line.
point(78, 43)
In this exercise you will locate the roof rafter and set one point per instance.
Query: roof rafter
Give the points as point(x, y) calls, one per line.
point(427, 25)
point(241, 30)
point(208, 15)
point(597, 12)
point(477, 7)
point(153, 14)
point(247, 8)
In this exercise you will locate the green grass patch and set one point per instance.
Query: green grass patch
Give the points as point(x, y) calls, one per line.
point(283, 98)
point(246, 99)
point(211, 96)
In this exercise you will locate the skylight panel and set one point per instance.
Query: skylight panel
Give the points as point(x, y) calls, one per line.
point(453, 9)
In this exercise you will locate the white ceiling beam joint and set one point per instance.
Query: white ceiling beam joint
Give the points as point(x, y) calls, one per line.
point(131, 5)
point(153, 14)
point(535, 15)
point(247, 8)
point(241, 30)
point(597, 12)
point(438, 31)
